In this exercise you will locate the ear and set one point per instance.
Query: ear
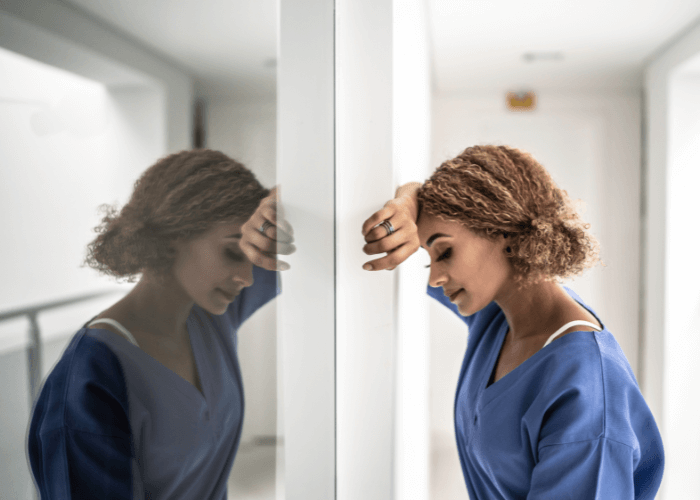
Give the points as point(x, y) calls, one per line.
point(506, 243)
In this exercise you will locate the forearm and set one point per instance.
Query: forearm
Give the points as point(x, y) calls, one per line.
point(408, 189)
point(408, 195)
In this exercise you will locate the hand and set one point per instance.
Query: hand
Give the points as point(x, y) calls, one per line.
point(262, 248)
point(402, 212)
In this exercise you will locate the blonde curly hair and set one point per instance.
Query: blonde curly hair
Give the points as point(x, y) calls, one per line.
point(498, 190)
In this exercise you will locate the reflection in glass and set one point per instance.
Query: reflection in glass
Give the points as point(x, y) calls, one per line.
point(71, 143)
point(150, 390)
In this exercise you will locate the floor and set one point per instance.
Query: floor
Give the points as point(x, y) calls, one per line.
point(254, 473)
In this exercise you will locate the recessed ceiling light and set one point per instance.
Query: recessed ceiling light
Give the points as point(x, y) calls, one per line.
point(542, 56)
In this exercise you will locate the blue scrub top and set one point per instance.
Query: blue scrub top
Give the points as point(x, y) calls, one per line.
point(569, 422)
point(111, 422)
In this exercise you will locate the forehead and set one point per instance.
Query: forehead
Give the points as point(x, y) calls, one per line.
point(224, 229)
point(430, 224)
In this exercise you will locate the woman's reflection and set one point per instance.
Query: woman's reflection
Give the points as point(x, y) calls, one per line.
point(147, 400)
point(532, 420)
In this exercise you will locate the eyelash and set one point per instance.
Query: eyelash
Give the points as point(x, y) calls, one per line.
point(233, 255)
point(445, 255)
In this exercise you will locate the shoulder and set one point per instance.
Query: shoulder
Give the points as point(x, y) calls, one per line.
point(571, 395)
point(85, 391)
point(588, 391)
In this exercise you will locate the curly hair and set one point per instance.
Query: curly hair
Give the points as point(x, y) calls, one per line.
point(178, 198)
point(497, 190)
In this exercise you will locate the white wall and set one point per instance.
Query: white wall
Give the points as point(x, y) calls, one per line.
point(681, 408)
point(64, 153)
point(411, 156)
point(670, 303)
point(590, 143)
point(61, 35)
point(245, 128)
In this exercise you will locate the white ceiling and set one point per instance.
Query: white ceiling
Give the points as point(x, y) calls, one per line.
point(475, 44)
point(479, 44)
point(228, 45)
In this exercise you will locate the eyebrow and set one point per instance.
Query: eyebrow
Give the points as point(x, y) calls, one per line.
point(434, 237)
point(237, 235)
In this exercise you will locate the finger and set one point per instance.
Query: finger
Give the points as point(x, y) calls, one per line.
point(276, 233)
point(380, 232)
point(387, 243)
point(377, 217)
point(273, 215)
point(393, 259)
point(267, 244)
point(260, 259)
point(274, 202)
point(261, 241)
point(286, 248)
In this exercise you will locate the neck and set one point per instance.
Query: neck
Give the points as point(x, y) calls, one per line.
point(529, 310)
point(159, 307)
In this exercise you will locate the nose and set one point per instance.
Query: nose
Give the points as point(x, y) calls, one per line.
point(244, 275)
point(437, 276)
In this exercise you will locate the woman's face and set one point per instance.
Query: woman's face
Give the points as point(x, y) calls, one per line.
point(211, 268)
point(472, 270)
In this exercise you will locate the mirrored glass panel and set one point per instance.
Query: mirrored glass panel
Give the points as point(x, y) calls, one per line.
point(92, 101)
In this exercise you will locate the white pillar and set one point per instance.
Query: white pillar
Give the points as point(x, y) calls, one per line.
point(365, 300)
point(411, 133)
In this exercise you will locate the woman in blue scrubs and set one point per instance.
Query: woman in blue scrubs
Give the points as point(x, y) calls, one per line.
point(547, 406)
point(147, 400)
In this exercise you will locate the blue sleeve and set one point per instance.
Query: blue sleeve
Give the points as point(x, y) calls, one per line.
point(79, 440)
point(582, 429)
point(437, 293)
point(265, 287)
point(586, 470)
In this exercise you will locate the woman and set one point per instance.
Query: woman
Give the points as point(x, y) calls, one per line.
point(547, 406)
point(147, 401)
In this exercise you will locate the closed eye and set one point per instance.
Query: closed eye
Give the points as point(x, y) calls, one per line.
point(445, 255)
point(234, 255)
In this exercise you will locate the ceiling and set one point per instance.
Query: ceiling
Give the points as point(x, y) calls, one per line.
point(230, 45)
point(479, 44)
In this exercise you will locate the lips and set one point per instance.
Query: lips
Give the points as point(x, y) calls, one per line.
point(453, 295)
point(229, 296)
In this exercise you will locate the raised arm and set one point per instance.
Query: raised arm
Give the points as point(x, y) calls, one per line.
point(402, 213)
point(267, 233)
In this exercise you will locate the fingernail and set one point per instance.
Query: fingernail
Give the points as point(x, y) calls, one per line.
point(367, 267)
point(284, 266)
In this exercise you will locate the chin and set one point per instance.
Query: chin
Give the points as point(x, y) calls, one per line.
point(466, 309)
point(216, 309)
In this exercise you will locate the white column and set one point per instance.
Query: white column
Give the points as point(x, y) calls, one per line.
point(411, 133)
point(306, 320)
point(365, 300)
point(669, 379)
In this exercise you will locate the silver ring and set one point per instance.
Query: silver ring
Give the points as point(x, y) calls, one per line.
point(389, 228)
point(265, 225)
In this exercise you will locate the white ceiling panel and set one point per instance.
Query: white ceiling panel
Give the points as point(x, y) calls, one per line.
point(480, 44)
point(229, 45)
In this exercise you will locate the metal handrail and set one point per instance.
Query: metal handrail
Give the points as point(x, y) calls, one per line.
point(34, 348)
